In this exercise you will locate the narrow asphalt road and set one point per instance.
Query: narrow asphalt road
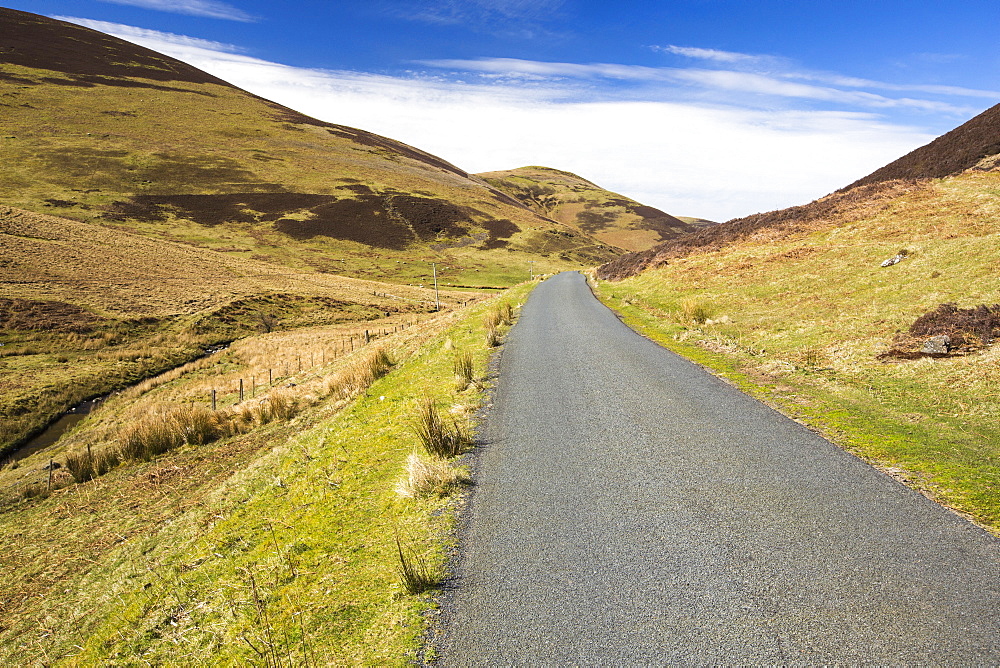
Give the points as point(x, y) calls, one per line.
point(632, 509)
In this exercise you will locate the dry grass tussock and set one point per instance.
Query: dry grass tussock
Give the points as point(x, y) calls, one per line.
point(464, 371)
point(415, 574)
point(439, 437)
point(429, 476)
point(494, 322)
point(696, 310)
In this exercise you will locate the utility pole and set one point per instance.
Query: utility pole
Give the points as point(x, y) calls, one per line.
point(531, 269)
point(437, 298)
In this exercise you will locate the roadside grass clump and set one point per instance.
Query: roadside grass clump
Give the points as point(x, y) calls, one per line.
point(495, 321)
point(430, 476)
point(464, 368)
point(506, 311)
point(492, 337)
point(359, 376)
point(415, 575)
point(440, 438)
point(695, 310)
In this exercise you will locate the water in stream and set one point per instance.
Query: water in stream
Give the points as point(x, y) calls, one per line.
point(55, 430)
point(69, 419)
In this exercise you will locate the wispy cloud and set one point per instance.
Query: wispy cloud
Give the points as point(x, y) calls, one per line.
point(685, 155)
point(137, 35)
point(709, 54)
point(788, 84)
point(209, 8)
point(525, 18)
point(779, 69)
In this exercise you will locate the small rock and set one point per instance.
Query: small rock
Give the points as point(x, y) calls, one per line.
point(895, 259)
point(937, 345)
point(55, 465)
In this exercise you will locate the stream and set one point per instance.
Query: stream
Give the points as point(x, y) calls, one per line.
point(70, 418)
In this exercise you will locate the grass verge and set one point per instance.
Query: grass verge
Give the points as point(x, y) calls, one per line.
point(273, 546)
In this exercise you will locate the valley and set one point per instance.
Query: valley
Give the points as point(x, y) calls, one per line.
point(280, 500)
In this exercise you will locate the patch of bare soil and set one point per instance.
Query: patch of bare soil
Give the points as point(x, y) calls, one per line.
point(967, 329)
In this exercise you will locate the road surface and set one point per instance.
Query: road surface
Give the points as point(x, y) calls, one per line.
point(631, 508)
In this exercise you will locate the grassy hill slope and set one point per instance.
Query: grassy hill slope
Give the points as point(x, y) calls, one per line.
point(572, 200)
point(825, 311)
point(86, 309)
point(104, 131)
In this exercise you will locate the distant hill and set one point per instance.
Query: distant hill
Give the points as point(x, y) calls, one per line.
point(572, 200)
point(697, 222)
point(973, 146)
point(100, 130)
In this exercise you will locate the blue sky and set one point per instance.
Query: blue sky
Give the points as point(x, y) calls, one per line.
point(701, 107)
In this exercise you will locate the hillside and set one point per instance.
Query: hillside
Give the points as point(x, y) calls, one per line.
point(614, 219)
point(973, 146)
point(86, 309)
point(103, 131)
point(871, 314)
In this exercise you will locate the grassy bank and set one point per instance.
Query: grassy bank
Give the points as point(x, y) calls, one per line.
point(276, 545)
point(803, 322)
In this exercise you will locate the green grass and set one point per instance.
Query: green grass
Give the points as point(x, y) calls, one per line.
point(799, 322)
point(274, 546)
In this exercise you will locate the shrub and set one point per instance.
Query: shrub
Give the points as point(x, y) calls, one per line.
point(961, 324)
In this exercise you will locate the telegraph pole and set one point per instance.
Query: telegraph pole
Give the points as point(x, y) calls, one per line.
point(531, 270)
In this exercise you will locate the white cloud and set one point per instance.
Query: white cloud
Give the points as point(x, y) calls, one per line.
point(209, 8)
point(709, 54)
point(781, 85)
point(138, 35)
point(684, 156)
